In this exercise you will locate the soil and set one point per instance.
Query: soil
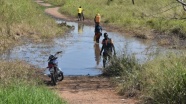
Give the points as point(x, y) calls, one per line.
point(85, 89)
point(89, 90)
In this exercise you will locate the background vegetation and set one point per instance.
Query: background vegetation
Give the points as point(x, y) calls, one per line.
point(166, 16)
point(24, 18)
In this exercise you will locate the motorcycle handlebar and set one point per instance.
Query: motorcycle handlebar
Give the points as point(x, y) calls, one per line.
point(54, 56)
point(58, 53)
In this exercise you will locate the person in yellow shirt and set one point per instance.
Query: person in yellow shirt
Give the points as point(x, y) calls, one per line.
point(80, 12)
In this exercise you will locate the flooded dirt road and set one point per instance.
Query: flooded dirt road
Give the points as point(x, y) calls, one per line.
point(80, 53)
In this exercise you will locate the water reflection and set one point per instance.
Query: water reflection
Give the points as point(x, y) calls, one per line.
point(80, 28)
point(81, 56)
point(97, 53)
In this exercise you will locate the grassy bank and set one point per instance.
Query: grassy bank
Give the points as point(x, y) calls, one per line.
point(166, 16)
point(19, 84)
point(160, 81)
point(24, 18)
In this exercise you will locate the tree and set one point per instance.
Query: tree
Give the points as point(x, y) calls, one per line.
point(133, 2)
point(183, 3)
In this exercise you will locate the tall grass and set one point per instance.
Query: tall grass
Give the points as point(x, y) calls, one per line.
point(161, 15)
point(121, 66)
point(20, 83)
point(24, 18)
point(16, 72)
point(160, 81)
point(166, 79)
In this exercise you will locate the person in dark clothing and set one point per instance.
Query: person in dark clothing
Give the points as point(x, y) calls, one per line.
point(107, 48)
point(98, 32)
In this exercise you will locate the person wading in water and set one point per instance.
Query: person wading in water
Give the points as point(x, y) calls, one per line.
point(107, 48)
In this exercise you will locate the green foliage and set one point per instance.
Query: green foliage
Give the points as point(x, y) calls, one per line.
point(124, 69)
point(26, 94)
point(160, 81)
point(166, 79)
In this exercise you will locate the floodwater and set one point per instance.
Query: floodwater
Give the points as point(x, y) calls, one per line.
point(80, 54)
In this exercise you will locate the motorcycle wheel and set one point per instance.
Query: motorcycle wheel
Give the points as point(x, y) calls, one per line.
point(60, 76)
point(53, 79)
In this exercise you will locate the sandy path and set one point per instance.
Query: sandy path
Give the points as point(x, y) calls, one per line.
point(89, 90)
point(85, 89)
point(54, 12)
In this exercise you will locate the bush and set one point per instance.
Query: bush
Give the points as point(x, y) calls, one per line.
point(121, 66)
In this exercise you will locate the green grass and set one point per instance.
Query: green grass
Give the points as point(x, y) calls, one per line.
point(21, 83)
point(165, 16)
point(160, 81)
point(27, 94)
point(121, 66)
point(165, 78)
point(22, 18)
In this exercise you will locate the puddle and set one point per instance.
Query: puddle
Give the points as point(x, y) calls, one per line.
point(80, 54)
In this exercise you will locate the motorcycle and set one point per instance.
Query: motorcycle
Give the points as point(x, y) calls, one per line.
point(56, 74)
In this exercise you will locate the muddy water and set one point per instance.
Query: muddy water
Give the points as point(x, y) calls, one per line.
point(80, 54)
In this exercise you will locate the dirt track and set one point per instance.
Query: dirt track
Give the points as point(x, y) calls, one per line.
point(89, 90)
point(85, 89)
